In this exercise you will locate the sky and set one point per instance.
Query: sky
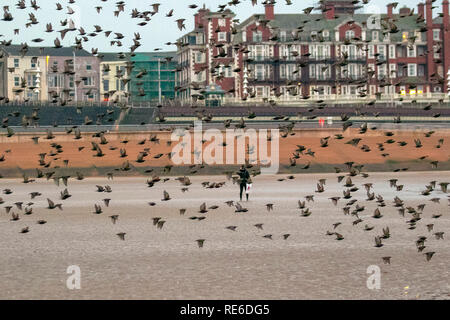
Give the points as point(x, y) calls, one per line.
point(155, 34)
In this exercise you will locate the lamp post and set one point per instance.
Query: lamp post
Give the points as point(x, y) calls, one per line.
point(159, 80)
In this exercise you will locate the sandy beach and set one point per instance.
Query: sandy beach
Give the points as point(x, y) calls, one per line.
point(21, 153)
point(242, 264)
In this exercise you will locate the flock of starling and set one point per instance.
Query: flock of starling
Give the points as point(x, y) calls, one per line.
point(99, 147)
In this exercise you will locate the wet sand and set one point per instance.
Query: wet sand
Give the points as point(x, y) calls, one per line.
point(167, 263)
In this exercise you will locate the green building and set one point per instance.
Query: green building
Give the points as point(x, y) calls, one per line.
point(153, 77)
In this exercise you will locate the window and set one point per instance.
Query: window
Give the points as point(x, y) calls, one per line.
point(222, 36)
point(349, 34)
point(105, 85)
point(16, 63)
point(283, 71)
point(375, 36)
point(421, 70)
point(392, 70)
point(259, 53)
point(291, 72)
point(411, 51)
point(326, 34)
point(244, 36)
point(119, 85)
point(259, 72)
point(200, 77)
point(88, 67)
point(222, 22)
point(54, 81)
point(259, 91)
point(33, 63)
point(371, 51)
point(89, 81)
point(199, 57)
point(381, 71)
point(71, 82)
point(352, 52)
point(386, 37)
point(283, 36)
point(31, 80)
point(436, 52)
point(323, 52)
point(225, 71)
point(382, 52)
point(312, 71)
point(257, 36)
point(16, 81)
point(436, 34)
point(412, 70)
point(392, 51)
point(322, 72)
point(199, 38)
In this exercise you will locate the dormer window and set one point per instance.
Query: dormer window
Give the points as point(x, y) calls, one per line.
point(349, 34)
point(257, 36)
point(375, 36)
point(326, 34)
point(283, 36)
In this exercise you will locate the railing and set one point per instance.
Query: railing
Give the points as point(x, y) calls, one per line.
point(390, 99)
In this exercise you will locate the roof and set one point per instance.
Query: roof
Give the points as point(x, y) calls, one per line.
point(15, 50)
point(153, 56)
point(114, 56)
point(317, 22)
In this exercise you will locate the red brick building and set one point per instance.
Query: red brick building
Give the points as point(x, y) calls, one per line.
point(332, 52)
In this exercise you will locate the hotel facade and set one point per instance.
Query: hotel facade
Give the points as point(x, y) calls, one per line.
point(337, 53)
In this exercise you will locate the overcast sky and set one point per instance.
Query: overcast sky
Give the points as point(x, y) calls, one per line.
point(155, 34)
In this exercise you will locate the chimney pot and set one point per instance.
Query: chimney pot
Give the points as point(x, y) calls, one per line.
point(421, 10)
point(270, 11)
point(390, 9)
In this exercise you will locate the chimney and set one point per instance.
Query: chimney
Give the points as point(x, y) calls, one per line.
point(421, 10)
point(329, 12)
point(404, 11)
point(199, 17)
point(445, 17)
point(270, 10)
point(390, 8)
point(429, 13)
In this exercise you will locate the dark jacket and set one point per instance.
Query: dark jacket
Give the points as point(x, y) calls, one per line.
point(244, 176)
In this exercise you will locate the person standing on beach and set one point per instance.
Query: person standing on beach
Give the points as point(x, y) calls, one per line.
point(244, 178)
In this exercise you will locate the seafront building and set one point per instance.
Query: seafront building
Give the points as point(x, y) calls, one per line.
point(114, 77)
point(153, 77)
point(336, 51)
point(48, 74)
